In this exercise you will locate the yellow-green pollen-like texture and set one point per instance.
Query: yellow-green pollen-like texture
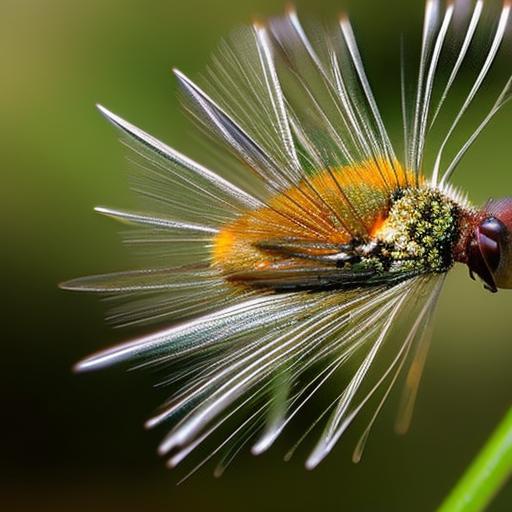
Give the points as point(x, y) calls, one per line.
point(421, 231)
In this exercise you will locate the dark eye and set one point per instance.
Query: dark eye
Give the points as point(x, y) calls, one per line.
point(490, 235)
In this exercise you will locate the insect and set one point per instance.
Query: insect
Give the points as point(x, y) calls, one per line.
point(312, 252)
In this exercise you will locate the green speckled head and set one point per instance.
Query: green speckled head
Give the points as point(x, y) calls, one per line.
point(421, 230)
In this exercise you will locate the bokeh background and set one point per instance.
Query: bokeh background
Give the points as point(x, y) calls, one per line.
point(76, 442)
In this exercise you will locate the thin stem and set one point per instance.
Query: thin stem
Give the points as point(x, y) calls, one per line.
point(487, 473)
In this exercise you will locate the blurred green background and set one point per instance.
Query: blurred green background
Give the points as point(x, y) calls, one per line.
point(76, 442)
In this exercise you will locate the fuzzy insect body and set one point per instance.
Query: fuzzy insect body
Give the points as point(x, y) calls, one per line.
point(397, 231)
point(311, 245)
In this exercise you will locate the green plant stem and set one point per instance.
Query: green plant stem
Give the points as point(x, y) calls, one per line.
point(486, 474)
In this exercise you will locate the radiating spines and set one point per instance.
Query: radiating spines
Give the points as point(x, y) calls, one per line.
point(432, 8)
point(141, 280)
point(286, 109)
point(421, 115)
point(327, 136)
point(418, 340)
point(188, 285)
point(164, 240)
point(159, 294)
point(193, 335)
point(243, 105)
point(228, 131)
point(260, 136)
point(441, 39)
point(264, 375)
point(418, 298)
point(385, 147)
point(504, 97)
point(276, 413)
point(337, 115)
point(277, 100)
point(159, 222)
point(194, 192)
point(192, 298)
point(302, 117)
point(496, 42)
point(468, 38)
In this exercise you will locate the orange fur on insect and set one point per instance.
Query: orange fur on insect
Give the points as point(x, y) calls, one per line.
point(333, 206)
